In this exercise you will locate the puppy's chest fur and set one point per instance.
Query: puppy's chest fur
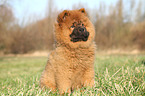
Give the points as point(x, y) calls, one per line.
point(81, 58)
point(74, 59)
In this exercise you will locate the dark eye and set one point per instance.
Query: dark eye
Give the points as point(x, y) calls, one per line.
point(82, 24)
point(72, 26)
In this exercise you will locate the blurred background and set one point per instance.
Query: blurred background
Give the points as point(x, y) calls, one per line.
point(27, 25)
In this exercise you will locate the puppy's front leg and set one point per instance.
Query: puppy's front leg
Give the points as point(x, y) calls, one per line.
point(63, 82)
point(88, 78)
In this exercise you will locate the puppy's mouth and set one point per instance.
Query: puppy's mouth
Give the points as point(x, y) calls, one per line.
point(79, 34)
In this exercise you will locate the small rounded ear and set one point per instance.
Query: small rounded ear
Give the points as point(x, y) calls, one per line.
point(62, 16)
point(83, 11)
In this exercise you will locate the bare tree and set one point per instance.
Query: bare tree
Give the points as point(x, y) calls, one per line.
point(6, 18)
point(138, 12)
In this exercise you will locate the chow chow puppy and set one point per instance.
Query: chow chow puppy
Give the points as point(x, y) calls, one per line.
point(71, 65)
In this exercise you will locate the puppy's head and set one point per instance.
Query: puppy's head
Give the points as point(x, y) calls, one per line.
point(74, 29)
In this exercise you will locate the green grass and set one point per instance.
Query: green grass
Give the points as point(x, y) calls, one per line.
point(114, 75)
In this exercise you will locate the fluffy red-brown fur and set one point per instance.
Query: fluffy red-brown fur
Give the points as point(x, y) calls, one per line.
point(71, 64)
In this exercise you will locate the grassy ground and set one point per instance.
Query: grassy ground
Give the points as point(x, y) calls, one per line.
point(114, 75)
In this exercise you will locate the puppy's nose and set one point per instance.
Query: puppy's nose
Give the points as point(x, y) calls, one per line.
point(81, 29)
